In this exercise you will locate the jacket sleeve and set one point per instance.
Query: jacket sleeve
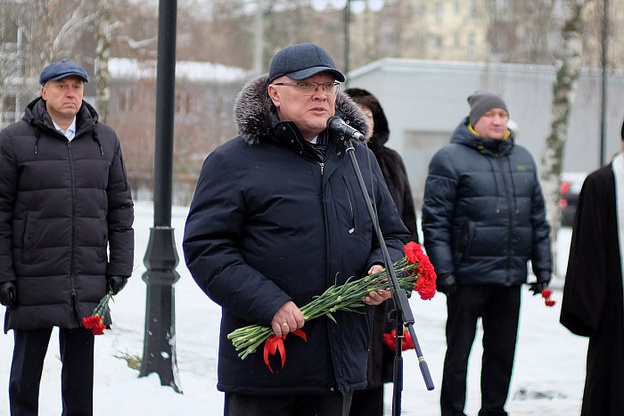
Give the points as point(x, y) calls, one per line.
point(541, 256)
point(120, 217)
point(214, 225)
point(8, 187)
point(438, 207)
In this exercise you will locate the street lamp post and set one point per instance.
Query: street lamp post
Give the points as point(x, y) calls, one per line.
point(161, 258)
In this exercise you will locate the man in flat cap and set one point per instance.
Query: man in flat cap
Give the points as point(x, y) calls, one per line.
point(276, 219)
point(66, 236)
point(483, 219)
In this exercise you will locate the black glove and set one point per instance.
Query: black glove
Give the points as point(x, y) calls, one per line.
point(8, 294)
point(446, 283)
point(116, 283)
point(543, 279)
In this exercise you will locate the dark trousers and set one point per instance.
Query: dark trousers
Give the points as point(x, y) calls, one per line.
point(76, 348)
point(368, 402)
point(499, 309)
point(291, 405)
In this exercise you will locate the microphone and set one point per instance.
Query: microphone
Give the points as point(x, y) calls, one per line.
point(337, 124)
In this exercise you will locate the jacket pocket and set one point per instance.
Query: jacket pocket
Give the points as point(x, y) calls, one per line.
point(28, 239)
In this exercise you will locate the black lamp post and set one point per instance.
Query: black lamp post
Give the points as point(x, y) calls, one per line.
point(161, 258)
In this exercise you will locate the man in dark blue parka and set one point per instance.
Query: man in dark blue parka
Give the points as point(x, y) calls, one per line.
point(483, 220)
point(277, 218)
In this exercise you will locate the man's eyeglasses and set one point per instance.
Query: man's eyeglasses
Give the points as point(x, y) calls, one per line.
point(309, 88)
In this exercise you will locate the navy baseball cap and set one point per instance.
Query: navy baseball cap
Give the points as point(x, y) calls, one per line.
point(60, 70)
point(302, 61)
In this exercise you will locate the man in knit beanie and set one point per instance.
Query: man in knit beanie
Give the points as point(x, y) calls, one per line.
point(488, 115)
point(484, 219)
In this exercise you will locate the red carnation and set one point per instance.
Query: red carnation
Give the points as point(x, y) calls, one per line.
point(413, 252)
point(94, 322)
point(390, 341)
point(546, 293)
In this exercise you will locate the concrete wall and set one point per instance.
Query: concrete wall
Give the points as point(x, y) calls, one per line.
point(425, 100)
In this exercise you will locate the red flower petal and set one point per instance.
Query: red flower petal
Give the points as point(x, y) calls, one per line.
point(390, 341)
point(275, 344)
point(413, 252)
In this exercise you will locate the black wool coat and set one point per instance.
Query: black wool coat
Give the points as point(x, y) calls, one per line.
point(66, 215)
point(592, 304)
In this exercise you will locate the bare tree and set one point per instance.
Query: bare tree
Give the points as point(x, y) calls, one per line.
point(106, 29)
point(569, 65)
point(11, 42)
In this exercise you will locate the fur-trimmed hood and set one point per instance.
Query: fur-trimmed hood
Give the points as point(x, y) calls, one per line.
point(255, 115)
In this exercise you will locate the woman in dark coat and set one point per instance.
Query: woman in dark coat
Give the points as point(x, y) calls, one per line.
point(380, 357)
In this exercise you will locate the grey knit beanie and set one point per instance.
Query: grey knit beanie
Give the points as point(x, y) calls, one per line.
point(483, 101)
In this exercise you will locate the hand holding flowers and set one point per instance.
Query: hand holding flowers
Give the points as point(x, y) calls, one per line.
point(95, 322)
point(414, 272)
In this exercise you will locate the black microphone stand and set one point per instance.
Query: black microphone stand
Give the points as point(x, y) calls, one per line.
point(403, 313)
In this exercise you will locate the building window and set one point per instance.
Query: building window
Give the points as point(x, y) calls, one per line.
point(9, 110)
point(438, 11)
point(471, 44)
point(8, 31)
point(182, 103)
point(125, 100)
point(472, 10)
point(437, 41)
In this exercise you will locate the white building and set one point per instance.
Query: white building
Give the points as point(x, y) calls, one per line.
point(424, 102)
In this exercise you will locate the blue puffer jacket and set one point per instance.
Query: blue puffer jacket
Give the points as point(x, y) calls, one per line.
point(483, 211)
point(270, 223)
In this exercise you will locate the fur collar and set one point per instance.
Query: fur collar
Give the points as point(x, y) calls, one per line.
point(254, 112)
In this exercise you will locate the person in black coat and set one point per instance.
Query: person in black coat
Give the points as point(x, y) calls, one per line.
point(277, 218)
point(369, 402)
point(592, 304)
point(484, 218)
point(66, 236)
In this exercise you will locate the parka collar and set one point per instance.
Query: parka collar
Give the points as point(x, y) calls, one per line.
point(36, 113)
point(464, 135)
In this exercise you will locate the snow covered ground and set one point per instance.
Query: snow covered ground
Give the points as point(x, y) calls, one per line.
point(548, 375)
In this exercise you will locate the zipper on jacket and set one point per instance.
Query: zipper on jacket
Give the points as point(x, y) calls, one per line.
point(73, 223)
point(322, 168)
point(352, 211)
